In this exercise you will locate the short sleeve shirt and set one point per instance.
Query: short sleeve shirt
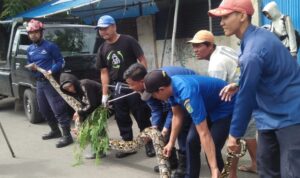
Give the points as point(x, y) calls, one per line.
point(117, 57)
point(199, 95)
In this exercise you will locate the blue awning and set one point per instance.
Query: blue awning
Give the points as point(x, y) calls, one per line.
point(91, 10)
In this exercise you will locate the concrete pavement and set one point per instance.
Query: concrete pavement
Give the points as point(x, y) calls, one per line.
point(36, 158)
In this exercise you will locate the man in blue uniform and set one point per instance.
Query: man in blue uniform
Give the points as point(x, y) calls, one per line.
point(161, 112)
point(270, 84)
point(52, 107)
point(200, 97)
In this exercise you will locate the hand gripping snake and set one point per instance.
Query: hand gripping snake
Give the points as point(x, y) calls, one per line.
point(230, 156)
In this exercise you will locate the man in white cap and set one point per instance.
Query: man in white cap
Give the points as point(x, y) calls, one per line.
point(270, 84)
point(114, 56)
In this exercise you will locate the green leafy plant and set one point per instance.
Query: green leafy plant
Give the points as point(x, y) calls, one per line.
point(10, 8)
point(93, 131)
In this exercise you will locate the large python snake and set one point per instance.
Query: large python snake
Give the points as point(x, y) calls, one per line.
point(120, 145)
point(230, 156)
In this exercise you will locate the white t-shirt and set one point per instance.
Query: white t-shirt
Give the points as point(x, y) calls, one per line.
point(223, 64)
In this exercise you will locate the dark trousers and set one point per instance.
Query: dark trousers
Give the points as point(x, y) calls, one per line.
point(51, 105)
point(139, 110)
point(219, 131)
point(182, 137)
point(278, 152)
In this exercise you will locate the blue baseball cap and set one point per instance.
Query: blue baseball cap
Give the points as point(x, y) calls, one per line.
point(105, 21)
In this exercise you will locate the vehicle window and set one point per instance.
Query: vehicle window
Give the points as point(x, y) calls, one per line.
point(72, 41)
point(4, 39)
point(23, 44)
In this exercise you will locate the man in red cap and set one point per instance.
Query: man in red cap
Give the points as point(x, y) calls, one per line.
point(269, 85)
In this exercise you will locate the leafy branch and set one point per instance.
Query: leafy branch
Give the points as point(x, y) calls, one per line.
point(93, 131)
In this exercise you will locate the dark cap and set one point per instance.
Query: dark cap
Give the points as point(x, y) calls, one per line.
point(156, 79)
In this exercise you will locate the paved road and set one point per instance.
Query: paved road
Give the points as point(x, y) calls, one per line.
point(36, 158)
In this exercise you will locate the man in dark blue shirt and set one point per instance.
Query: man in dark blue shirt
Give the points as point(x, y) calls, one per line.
point(200, 97)
point(270, 84)
point(161, 112)
point(51, 105)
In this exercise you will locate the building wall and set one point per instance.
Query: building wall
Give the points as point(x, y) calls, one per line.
point(146, 36)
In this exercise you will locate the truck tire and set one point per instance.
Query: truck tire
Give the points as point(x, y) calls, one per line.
point(31, 107)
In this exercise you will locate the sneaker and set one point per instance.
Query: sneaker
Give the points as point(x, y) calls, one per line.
point(150, 151)
point(124, 154)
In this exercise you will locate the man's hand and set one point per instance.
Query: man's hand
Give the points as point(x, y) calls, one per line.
point(31, 66)
point(165, 132)
point(75, 131)
point(228, 91)
point(48, 74)
point(168, 149)
point(76, 117)
point(232, 145)
point(294, 54)
point(105, 100)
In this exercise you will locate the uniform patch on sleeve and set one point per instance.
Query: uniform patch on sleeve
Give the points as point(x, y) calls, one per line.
point(188, 106)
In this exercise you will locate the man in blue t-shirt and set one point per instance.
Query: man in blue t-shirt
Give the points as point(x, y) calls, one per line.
point(200, 97)
point(53, 108)
point(161, 112)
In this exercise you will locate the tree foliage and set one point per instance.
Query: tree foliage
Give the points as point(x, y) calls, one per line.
point(11, 8)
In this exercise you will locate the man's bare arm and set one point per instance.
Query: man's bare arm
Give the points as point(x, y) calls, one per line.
point(209, 147)
point(104, 80)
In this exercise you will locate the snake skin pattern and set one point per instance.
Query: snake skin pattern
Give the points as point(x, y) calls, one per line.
point(230, 156)
point(138, 142)
point(120, 145)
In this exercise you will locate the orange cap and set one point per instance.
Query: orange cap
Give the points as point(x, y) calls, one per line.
point(228, 6)
point(203, 36)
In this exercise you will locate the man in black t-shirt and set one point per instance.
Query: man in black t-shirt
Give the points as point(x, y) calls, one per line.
point(114, 56)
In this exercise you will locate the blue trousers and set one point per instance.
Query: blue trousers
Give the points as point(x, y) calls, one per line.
point(51, 105)
point(278, 152)
point(219, 131)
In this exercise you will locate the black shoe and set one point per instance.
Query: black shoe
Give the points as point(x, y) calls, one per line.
point(93, 155)
point(52, 134)
point(181, 169)
point(123, 154)
point(64, 141)
point(150, 151)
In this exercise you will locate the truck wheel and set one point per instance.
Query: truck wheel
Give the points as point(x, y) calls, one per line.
point(31, 107)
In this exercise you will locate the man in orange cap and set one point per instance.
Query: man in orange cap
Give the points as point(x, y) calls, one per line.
point(222, 59)
point(270, 84)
